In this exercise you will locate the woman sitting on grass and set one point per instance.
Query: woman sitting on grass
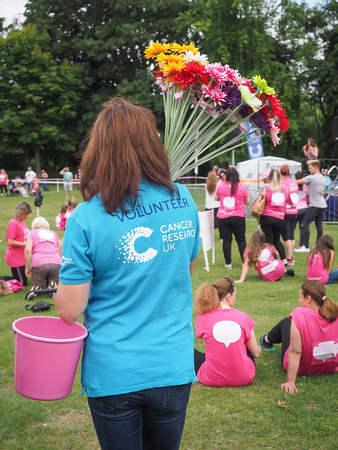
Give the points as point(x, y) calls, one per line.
point(230, 343)
point(320, 261)
point(263, 257)
point(309, 336)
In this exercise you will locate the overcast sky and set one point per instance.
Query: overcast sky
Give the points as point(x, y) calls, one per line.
point(9, 9)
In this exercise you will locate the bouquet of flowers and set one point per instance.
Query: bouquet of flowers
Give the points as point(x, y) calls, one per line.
point(200, 98)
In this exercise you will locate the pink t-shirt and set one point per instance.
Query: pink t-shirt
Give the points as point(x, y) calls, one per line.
point(15, 256)
point(60, 221)
point(302, 203)
point(292, 197)
point(231, 205)
point(225, 332)
point(3, 179)
point(275, 203)
point(269, 268)
point(317, 271)
point(45, 247)
point(319, 342)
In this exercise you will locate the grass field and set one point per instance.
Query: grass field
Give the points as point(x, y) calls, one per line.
point(258, 416)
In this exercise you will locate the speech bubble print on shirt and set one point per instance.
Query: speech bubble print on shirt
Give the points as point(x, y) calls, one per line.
point(294, 198)
point(229, 202)
point(264, 256)
point(46, 235)
point(227, 332)
point(277, 199)
point(325, 350)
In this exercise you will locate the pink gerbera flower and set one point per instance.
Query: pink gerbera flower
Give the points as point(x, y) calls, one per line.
point(274, 130)
point(215, 93)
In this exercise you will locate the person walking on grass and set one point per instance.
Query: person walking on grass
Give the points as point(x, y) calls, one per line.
point(67, 181)
point(233, 197)
point(16, 235)
point(127, 271)
point(309, 336)
point(317, 205)
point(30, 176)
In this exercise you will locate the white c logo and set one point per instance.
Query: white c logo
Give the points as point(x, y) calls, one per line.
point(128, 246)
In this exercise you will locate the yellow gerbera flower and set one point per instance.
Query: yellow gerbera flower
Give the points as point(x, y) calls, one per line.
point(184, 48)
point(173, 66)
point(162, 58)
point(262, 84)
point(155, 48)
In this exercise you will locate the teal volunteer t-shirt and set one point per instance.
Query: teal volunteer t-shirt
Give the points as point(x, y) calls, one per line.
point(140, 305)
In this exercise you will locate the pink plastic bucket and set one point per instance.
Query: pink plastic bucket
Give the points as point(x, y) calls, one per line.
point(47, 353)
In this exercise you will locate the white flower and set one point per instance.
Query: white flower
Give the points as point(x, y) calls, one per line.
point(190, 56)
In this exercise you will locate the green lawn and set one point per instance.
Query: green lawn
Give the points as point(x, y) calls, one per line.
point(258, 416)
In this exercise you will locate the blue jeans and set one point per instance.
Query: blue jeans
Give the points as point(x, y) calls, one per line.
point(333, 276)
point(147, 419)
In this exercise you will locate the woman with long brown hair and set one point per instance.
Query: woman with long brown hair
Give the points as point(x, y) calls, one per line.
point(263, 257)
point(309, 336)
point(128, 252)
point(320, 261)
point(233, 195)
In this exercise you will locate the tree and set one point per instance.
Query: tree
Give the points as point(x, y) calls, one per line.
point(38, 99)
point(108, 38)
point(258, 37)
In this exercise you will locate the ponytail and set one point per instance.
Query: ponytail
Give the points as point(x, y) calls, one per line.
point(208, 296)
point(328, 308)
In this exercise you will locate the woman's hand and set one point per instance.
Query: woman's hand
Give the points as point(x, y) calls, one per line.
point(238, 281)
point(289, 386)
point(28, 272)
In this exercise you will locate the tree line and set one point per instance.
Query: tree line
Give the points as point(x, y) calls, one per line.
point(68, 57)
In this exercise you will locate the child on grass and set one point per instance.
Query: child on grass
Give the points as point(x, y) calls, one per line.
point(309, 336)
point(263, 257)
point(320, 261)
point(61, 219)
point(230, 343)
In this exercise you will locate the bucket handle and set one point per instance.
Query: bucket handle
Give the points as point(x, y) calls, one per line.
point(28, 297)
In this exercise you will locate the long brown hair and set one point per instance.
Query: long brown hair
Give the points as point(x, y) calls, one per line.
point(256, 245)
point(122, 147)
point(323, 246)
point(211, 182)
point(233, 177)
point(208, 296)
point(328, 308)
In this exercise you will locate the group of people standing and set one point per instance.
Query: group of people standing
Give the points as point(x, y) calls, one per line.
point(286, 202)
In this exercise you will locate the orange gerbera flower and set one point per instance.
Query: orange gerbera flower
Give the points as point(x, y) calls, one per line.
point(177, 48)
point(155, 48)
point(173, 67)
point(162, 58)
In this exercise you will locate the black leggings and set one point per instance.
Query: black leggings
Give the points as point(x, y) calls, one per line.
point(272, 228)
point(19, 274)
point(199, 358)
point(280, 334)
